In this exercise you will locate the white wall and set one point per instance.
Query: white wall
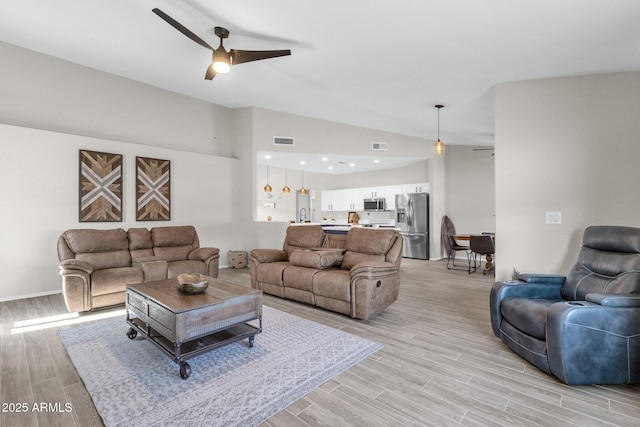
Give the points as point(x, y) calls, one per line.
point(570, 145)
point(40, 200)
point(470, 189)
point(43, 92)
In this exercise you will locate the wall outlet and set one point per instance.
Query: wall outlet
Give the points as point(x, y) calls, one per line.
point(554, 217)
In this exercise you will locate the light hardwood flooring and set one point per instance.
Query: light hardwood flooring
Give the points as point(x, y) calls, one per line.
point(440, 366)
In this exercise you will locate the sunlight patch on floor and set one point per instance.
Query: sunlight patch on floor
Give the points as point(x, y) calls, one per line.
point(41, 323)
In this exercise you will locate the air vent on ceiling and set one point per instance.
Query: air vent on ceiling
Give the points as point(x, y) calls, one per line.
point(284, 140)
point(380, 146)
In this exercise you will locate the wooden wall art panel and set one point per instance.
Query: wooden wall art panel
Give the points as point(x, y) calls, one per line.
point(153, 189)
point(100, 187)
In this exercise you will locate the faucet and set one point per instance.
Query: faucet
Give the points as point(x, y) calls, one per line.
point(303, 214)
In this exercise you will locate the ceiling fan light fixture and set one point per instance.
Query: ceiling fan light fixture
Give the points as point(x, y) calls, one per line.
point(221, 61)
point(438, 147)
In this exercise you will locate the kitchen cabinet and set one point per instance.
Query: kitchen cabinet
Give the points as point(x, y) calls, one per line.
point(331, 200)
point(353, 199)
point(373, 192)
point(390, 193)
point(421, 187)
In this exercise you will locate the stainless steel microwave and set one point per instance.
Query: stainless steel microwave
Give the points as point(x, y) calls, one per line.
point(377, 204)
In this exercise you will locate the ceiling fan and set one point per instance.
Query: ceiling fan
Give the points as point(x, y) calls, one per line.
point(222, 60)
point(485, 149)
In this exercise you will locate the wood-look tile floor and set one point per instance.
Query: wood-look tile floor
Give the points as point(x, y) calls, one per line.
point(440, 366)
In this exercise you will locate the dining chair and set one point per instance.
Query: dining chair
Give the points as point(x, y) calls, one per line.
point(451, 246)
point(482, 245)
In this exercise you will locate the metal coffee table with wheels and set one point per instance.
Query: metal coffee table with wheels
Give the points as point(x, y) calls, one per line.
point(184, 325)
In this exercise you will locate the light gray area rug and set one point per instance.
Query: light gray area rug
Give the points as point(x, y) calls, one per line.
point(134, 383)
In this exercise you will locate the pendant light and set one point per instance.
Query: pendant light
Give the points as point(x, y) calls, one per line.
point(267, 188)
point(302, 190)
point(285, 189)
point(438, 147)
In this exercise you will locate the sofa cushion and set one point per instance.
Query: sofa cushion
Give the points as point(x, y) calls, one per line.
point(334, 241)
point(102, 260)
point(317, 259)
point(184, 235)
point(608, 262)
point(140, 244)
point(352, 258)
point(365, 244)
point(100, 248)
point(185, 266)
point(175, 253)
point(111, 280)
point(139, 238)
point(303, 237)
point(527, 315)
point(370, 241)
point(299, 278)
point(335, 284)
point(271, 272)
point(91, 241)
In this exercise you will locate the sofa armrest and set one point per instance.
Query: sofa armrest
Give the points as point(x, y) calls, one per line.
point(550, 279)
point(550, 289)
point(374, 286)
point(614, 300)
point(268, 255)
point(69, 265)
point(370, 268)
point(598, 337)
point(204, 254)
point(76, 285)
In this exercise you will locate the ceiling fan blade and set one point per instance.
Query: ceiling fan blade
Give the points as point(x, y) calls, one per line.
point(184, 30)
point(242, 56)
point(211, 73)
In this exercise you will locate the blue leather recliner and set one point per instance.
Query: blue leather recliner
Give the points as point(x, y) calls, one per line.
point(583, 328)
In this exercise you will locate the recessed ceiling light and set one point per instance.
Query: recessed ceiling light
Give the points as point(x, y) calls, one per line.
point(302, 162)
point(267, 156)
point(352, 164)
point(330, 167)
point(376, 161)
point(324, 159)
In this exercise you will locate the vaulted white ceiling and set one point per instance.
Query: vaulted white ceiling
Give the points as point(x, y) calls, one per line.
point(372, 63)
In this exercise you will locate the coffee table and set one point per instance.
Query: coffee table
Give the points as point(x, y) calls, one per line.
point(184, 325)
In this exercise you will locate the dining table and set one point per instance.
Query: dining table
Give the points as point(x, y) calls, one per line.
point(488, 267)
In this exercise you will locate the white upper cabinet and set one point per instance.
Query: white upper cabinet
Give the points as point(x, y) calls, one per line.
point(373, 192)
point(331, 200)
point(390, 193)
point(352, 199)
point(421, 187)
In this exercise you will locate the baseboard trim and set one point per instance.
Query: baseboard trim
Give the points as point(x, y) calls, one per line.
point(39, 294)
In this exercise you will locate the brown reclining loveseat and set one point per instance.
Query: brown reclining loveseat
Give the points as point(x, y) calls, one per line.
point(358, 276)
point(97, 265)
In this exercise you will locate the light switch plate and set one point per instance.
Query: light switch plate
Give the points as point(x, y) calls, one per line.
point(554, 217)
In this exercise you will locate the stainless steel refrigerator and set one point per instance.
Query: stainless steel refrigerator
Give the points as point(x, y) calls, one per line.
point(412, 218)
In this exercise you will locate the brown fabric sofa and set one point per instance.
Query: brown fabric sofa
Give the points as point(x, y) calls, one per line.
point(357, 275)
point(96, 265)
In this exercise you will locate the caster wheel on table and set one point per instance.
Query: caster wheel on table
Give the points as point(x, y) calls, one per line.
point(185, 370)
point(132, 333)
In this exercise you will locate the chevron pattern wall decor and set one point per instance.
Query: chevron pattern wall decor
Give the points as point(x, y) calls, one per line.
point(153, 189)
point(100, 187)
